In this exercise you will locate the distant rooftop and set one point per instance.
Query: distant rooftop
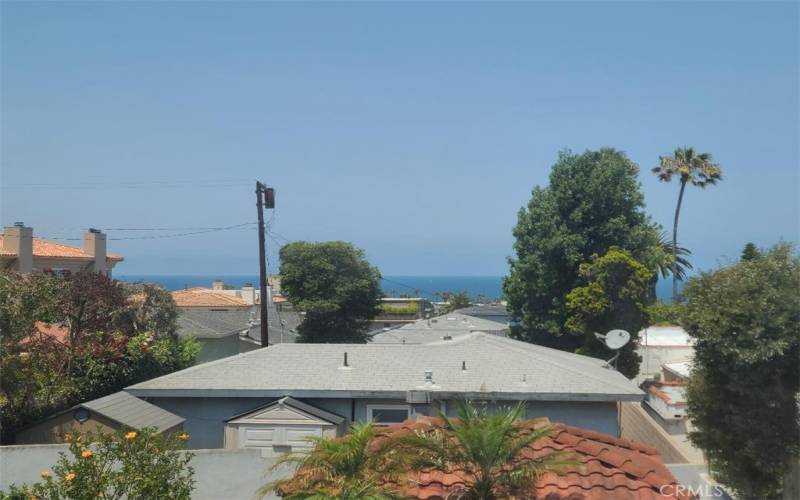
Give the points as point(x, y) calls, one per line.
point(664, 336)
point(451, 325)
point(51, 249)
point(485, 310)
point(680, 369)
point(207, 298)
point(203, 323)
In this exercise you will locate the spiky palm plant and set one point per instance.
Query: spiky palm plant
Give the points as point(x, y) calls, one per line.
point(697, 169)
point(345, 468)
point(681, 255)
point(489, 447)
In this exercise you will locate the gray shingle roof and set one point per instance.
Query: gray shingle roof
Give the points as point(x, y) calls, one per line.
point(425, 331)
point(212, 324)
point(126, 409)
point(282, 324)
point(485, 310)
point(496, 368)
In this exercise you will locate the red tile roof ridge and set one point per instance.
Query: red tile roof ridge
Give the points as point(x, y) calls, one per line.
point(609, 467)
point(609, 439)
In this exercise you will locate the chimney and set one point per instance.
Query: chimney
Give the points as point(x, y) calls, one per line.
point(218, 285)
point(18, 239)
point(249, 293)
point(94, 244)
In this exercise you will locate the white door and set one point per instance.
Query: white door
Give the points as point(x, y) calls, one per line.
point(275, 439)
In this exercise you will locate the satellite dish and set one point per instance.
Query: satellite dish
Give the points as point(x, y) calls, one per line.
point(615, 339)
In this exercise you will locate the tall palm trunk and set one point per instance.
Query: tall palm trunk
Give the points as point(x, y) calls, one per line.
point(675, 244)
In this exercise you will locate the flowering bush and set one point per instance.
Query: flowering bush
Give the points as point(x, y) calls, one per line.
point(125, 464)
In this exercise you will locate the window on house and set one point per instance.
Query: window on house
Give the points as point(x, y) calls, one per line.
point(388, 414)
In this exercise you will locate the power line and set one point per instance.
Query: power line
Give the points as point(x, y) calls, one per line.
point(215, 183)
point(163, 236)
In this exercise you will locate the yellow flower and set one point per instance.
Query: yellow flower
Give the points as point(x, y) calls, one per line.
point(130, 435)
point(183, 436)
point(45, 474)
point(70, 476)
point(87, 453)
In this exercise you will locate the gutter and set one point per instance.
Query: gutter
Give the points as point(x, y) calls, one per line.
point(334, 394)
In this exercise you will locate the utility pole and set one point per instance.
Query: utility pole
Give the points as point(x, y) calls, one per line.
point(265, 198)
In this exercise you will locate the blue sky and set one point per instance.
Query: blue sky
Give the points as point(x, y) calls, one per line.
point(414, 130)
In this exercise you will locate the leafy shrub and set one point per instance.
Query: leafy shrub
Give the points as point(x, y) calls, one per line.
point(124, 464)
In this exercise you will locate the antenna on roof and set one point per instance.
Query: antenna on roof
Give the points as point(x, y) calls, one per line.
point(615, 340)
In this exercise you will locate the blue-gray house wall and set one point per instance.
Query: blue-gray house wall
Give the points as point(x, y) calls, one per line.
point(205, 417)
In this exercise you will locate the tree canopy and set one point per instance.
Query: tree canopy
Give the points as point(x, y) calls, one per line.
point(746, 376)
point(77, 337)
point(614, 296)
point(336, 288)
point(593, 202)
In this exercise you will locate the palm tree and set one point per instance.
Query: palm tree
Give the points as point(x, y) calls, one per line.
point(490, 448)
point(697, 169)
point(346, 468)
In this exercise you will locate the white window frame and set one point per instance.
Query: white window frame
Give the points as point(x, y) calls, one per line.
point(372, 408)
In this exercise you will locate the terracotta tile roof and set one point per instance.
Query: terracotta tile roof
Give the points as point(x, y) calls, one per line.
point(48, 332)
point(610, 468)
point(206, 297)
point(45, 249)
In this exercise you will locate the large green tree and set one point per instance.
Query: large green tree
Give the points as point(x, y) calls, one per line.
point(614, 295)
point(111, 340)
point(336, 288)
point(697, 169)
point(593, 202)
point(742, 395)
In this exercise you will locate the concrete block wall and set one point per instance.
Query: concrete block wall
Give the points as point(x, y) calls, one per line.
point(218, 474)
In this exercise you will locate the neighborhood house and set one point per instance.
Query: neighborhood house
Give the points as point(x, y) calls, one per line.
point(241, 401)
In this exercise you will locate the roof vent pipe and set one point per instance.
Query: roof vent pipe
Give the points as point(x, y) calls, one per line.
point(463, 366)
point(345, 359)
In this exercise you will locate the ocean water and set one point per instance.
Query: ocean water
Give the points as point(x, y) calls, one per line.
point(423, 286)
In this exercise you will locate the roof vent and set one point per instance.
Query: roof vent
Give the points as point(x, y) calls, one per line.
point(463, 366)
point(19, 224)
point(345, 365)
point(345, 360)
point(447, 337)
point(94, 230)
point(429, 377)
